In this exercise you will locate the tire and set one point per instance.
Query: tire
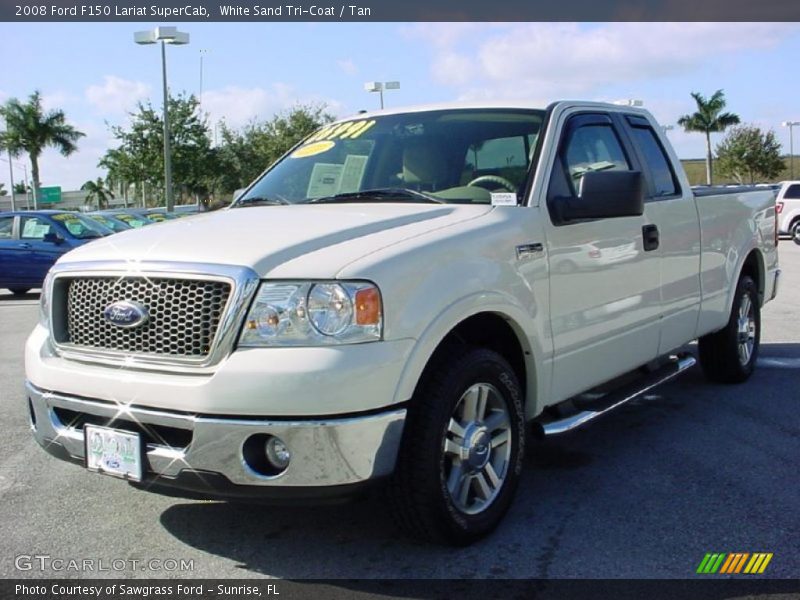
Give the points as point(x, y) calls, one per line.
point(794, 231)
point(729, 355)
point(445, 449)
point(19, 291)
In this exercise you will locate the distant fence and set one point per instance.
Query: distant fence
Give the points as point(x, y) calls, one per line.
point(75, 200)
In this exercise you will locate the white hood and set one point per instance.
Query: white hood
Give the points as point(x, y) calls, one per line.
point(279, 241)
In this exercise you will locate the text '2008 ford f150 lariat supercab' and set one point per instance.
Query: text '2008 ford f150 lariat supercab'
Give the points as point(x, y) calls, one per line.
point(397, 301)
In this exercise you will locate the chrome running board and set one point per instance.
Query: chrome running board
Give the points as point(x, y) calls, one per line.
point(615, 399)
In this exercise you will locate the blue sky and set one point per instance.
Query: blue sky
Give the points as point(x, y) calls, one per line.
point(96, 73)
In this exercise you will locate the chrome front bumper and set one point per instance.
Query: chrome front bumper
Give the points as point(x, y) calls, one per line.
point(325, 452)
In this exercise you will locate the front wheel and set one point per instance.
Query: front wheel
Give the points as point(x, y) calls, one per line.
point(729, 355)
point(461, 456)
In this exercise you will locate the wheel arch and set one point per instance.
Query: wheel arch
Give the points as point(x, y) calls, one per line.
point(754, 266)
point(495, 326)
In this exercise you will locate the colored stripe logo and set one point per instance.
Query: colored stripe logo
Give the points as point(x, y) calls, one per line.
point(732, 563)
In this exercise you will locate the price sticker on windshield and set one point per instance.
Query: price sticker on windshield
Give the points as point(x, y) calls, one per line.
point(504, 199)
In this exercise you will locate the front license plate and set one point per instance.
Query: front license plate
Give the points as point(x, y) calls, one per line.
point(114, 452)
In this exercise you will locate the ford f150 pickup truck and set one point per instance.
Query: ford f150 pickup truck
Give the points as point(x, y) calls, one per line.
point(398, 301)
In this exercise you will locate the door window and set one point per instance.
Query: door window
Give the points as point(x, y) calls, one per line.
point(34, 228)
point(593, 148)
point(6, 227)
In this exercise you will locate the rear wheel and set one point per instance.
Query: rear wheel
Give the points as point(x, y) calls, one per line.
point(794, 231)
point(729, 355)
point(462, 449)
point(17, 291)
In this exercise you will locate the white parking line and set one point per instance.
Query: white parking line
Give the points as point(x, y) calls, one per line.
point(779, 363)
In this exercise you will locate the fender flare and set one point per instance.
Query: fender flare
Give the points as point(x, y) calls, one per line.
point(495, 302)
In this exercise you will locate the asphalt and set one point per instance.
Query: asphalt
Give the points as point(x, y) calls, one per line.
point(644, 492)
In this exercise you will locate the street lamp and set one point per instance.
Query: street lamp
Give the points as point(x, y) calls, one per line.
point(379, 86)
point(165, 35)
point(203, 52)
point(791, 125)
point(666, 128)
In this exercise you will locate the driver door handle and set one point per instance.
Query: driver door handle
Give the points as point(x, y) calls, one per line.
point(650, 237)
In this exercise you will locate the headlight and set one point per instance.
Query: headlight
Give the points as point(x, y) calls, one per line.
point(45, 299)
point(307, 313)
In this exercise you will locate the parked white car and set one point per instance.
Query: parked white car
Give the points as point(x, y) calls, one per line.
point(788, 206)
point(396, 302)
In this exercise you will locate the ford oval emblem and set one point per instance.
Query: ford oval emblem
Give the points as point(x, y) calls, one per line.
point(126, 313)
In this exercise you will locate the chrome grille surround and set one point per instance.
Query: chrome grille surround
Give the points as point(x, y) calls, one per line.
point(196, 312)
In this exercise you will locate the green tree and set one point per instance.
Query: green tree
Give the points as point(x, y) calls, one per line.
point(30, 129)
point(3, 190)
point(243, 154)
point(709, 119)
point(97, 192)
point(748, 154)
point(139, 158)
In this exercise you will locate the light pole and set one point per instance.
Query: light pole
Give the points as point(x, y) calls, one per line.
point(203, 52)
point(790, 125)
point(666, 128)
point(165, 35)
point(379, 86)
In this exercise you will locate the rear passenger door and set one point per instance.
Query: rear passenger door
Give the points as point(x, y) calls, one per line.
point(674, 215)
point(605, 286)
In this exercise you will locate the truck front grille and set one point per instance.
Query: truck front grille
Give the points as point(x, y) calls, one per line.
point(184, 314)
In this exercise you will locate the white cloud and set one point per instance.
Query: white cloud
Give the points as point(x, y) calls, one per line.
point(239, 105)
point(567, 59)
point(116, 95)
point(347, 66)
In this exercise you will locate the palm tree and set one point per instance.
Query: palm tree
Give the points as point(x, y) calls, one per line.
point(97, 191)
point(709, 119)
point(30, 129)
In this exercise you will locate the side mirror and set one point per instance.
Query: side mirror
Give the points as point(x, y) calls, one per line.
point(605, 195)
point(53, 238)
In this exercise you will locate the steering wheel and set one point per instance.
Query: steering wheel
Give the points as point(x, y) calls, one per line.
point(493, 179)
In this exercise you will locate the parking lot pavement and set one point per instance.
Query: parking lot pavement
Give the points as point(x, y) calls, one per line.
point(644, 492)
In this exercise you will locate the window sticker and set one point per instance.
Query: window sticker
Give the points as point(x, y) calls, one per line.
point(352, 173)
point(348, 130)
point(324, 181)
point(312, 149)
point(34, 229)
point(504, 199)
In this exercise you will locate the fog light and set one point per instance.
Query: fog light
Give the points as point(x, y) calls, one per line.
point(277, 453)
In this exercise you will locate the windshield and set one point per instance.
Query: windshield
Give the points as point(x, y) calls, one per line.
point(132, 219)
point(81, 227)
point(460, 156)
point(110, 222)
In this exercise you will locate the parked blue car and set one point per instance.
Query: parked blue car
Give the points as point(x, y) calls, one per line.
point(32, 241)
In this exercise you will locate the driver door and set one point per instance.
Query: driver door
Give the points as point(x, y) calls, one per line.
point(605, 299)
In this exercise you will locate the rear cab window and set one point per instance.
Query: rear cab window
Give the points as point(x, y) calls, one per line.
point(662, 180)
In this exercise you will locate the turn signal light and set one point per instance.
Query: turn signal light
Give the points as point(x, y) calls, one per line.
point(368, 306)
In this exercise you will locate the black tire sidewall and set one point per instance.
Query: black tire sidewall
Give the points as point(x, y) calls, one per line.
point(746, 286)
point(478, 366)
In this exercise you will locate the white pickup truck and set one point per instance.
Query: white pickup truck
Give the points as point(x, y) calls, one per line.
point(397, 301)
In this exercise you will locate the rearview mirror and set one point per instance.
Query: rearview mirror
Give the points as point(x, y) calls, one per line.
point(605, 195)
point(53, 238)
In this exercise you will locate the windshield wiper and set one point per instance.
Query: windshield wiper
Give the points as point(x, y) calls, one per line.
point(261, 201)
point(379, 195)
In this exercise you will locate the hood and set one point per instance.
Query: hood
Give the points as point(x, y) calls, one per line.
point(279, 241)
